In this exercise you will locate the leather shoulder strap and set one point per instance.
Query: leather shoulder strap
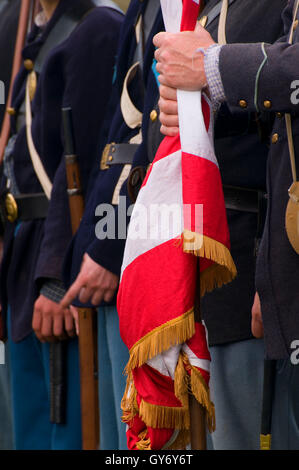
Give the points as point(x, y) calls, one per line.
point(288, 118)
point(215, 12)
point(61, 31)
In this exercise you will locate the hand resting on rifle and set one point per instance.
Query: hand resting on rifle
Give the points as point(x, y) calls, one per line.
point(93, 284)
point(51, 322)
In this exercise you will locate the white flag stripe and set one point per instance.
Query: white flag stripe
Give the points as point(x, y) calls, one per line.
point(194, 136)
point(195, 361)
point(164, 187)
point(166, 362)
point(172, 14)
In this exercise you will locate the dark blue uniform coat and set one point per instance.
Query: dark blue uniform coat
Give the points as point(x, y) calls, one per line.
point(248, 76)
point(109, 252)
point(242, 155)
point(77, 73)
point(9, 15)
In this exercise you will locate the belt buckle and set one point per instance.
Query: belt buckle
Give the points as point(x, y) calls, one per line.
point(105, 156)
point(11, 208)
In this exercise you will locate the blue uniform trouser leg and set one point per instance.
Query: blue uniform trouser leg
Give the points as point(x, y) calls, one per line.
point(30, 397)
point(113, 357)
point(6, 433)
point(68, 436)
point(285, 417)
point(236, 390)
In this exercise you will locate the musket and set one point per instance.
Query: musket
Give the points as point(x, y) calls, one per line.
point(87, 316)
point(58, 383)
point(23, 26)
point(268, 395)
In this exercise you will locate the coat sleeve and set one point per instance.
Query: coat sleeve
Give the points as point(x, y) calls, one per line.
point(108, 252)
point(261, 77)
point(88, 62)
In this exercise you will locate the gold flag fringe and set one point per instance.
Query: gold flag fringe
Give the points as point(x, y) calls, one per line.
point(167, 417)
point(224, 269)
point(171, 333)
point(129, 403)
point(161, 339)
point(157, 416)
point(143, 443)
point(200, 390)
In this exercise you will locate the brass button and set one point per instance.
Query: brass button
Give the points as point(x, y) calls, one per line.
point(110, 158)
point(154, 115)
point(28, 64)
point(267, 104)
point(243, 104)
point(11, 111)
point(275, 138)
point(11, 208)
point(295, 25)
point(279, 115)
point(203, 21)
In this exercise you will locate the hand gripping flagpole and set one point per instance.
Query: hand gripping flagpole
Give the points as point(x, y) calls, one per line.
point(197, 412)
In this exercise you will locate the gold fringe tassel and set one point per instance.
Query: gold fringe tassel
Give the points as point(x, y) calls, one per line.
point(167, 417)
point(143, 443)
point(157, 416)
point(223, 272)
point(169, 334)
point(200, 390)
point(129, 404)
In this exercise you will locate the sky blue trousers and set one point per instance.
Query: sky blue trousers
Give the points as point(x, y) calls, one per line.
point(237, 387)
point(30, 384)
point(113, 357)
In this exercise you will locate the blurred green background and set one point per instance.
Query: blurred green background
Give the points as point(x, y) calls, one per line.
point(123, 4)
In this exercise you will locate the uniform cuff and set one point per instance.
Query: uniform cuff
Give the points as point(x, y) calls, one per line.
point(214, 81)
point(54, 290)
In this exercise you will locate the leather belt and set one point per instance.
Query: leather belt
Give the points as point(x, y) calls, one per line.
point(242, 199)
point(26, 206)
point(118, 154)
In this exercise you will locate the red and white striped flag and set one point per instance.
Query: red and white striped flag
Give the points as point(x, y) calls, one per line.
point(168, 350)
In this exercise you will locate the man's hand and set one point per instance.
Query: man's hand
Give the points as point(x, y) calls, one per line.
point(168, 111)
point(51, 322)
point(178, 63)
point(93, 284)
point(256, 319)
point(74, 311)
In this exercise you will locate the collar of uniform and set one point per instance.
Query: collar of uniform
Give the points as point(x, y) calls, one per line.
point(39, 34)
